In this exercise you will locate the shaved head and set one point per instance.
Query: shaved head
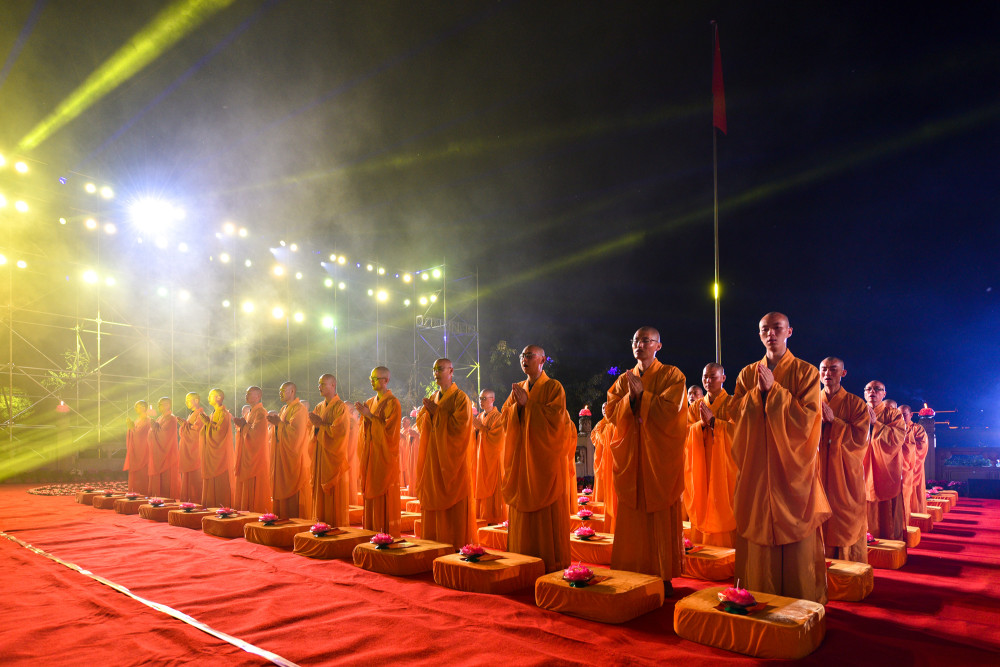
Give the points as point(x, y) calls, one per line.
point(833, 360)
point(775, 316)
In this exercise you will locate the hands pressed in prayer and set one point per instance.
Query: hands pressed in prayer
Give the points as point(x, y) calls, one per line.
point(430, 406)
point(520, 395)
point(827, 413)
point(765, 377)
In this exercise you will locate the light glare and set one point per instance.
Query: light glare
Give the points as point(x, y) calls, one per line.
point(21, 167)
point(277, 312)
point(21, 206)
point(90, 276)
point(107, 192)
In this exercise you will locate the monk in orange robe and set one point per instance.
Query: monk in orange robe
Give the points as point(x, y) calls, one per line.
point(217, 457)
point(842, 447)
point(709, 469)
point(291, 474)
point(378, 452)
point(189, 447)
point(164, 472)
point(354, 475)
point(779, 501)
point(916, 439)
point(405, 478)
point(137, 449)
point(695, 394)
point(604, 467)
point(884, 466)
point(253, 457)
point(444, 457)
point(331, 469)
point(538, 447)
point(488, 426)
point(646, 409)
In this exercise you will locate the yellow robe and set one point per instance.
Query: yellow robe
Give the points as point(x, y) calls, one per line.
point(604, 472)
point(378, 451)
point(137, 455)
point(253, 463)
point(648, 451)
point(331, 467)
point(291, 472)
point(537, 450)
point(490, 506)
point(354, 475)
point(444, 479)
point(164, 475)
point(779, 501)
point(884, 474)
point(842, 447)
point(217, 457)
point(918, 491)
point(189, 445)
point(710, 476)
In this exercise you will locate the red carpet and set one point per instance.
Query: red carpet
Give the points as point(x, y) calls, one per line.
point(942, 608)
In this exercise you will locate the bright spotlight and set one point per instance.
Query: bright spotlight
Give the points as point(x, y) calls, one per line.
point(294, 247)
point(90, 276)
point(21, 206)
point(333, 257)
point(299, 317)
point(226, 303)
point(298, 275)
point(229, 228)
point(406, 302)
point(21, 167)
point(341, 260)
point(248, 263)
point(328, 282)
point(423, 301)
point(224, 257)
point(434, 297)
point(407, 277)
point(437, 273)
point(243, 232)
point(90, 188)
point(277, 312)
point(278, 270)
point(107, 192)
point(341, 285)
point(381, 270)
point(3, 201)
point(327, 322)
point(160, 291)
point(184, 295)
point(248, 306)
point(369, 267)
point(3, 160)
point(382, 296)
point(161, 243)
point(425, 276)
point(62, 221)
point(153, 216)
point(21, 264)
point(109, 228)
point(371, 292)
point(281, 243)
point(109, 281)
point(90, 223)
point(3, 260)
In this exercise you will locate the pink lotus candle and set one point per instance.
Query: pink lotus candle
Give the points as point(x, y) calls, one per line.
point(187, 507)
point(578, 575)
point(503, 525)
point(319, 529)
point(869, 537)
point(587, 491)
point(583, 500)
point(224, 512)
point(688, 544)
point(381, 540)
point(472, 552)
point(156, 502)
point(88, 489)
point(584, 532)
point(108, 493)
point(131, 495)
point(737, 596)
point(267, 519)
point(585, 514)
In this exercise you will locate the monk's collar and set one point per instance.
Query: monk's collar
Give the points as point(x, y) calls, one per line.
point(722, 394)
point(652, 366)
point(451, 388)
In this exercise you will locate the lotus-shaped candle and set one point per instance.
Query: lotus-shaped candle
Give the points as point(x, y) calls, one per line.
point(88, 489)
point(268, 518)
point(381, 540)
point(472, 552)
point(503, 525)
point(156, 502)
point(108, 493)
point(578, 575)
point(937, 489)
point(225, 512)
point(583, 500)
point(584, 514)
point(132, 495)
point(587, 491)
point(737, 600)
point(870, 538)
point(584, 532)
point(688, 544)
point(319, 529)
point(187, 507)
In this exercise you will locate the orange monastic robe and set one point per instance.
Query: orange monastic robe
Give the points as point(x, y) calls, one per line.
point(137, 456)
point(710, 476)
point(884, 474)
point(648, 451)
point(490, 506)
point(538, 445)
point(331, 467)
point(405, 479)
point(253, 463)
point(378, 451)
point(354, 474)
point(164, 475)
point(693, 412)
point(190, 442)
point(604, 472)
point(779, 502)
point(842, 447)
point(444, 478)
point(917, 494)
point(217, 460)
point(291, 474)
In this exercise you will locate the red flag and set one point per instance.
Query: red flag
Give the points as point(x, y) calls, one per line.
point(718, 93)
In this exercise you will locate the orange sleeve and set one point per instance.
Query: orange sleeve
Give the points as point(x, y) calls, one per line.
point(443, 476)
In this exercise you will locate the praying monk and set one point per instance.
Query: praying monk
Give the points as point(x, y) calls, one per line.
point(352, 453)
point(842, 448)
point(884, 466)
point(253, 461)
point(291, 475)
point(538, 447)
point(694, 395)
point(378, 454)
point(445, 462)
point(217, 465)
point(488, 426)
point(916, 437)
point(189, 445)
point(604, 468)
point(137, 449)
point(646, 409)
point(405, 442)
point(779, 502)
point(709, 469)
point(331, 468)
point(164, 471)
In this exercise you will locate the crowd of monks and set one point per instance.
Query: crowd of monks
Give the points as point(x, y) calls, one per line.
point(789, 470)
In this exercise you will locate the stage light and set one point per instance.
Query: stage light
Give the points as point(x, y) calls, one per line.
point(382, 295)
point(90, 223)
point(21, 167)
point(107, 192)
point(407, 277)
point(3, 160)
point(341, 260)
point(3, 201)
point(109, 228)
point(299, 317)
point(423, 301)
point(341, 285)
point(434, 297)
point(62, 221)
point(226, 303)
point(229, 228)
point(248, 306)
point(406, 302)
point(369, 267)
point(437, 273)
point(161, 243)
point(184, 295)
point(371, 292)
point(153, 215)
point(381, 271)
point(396, 276)
point(183, 247)
point(277, 312)
point(281, 243)
point(327, 322)
point(90, 276)
point(248, 263)
point(21, 264)
point(278, 270)
point(161, 291)
point(294, 247)
point(425, 276)
point(90, 188)
point(109, 281)
point(298, 275)
point(224, 257)
point(243, 232)
point(333, 257)
point(21, 206)
point(715, 290)
point(3, 260)
point(328, 282)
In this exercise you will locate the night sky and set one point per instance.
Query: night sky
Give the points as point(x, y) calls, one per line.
point(563, 150)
